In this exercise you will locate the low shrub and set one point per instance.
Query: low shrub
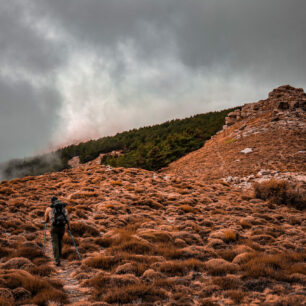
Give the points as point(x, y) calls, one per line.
point(281, 192)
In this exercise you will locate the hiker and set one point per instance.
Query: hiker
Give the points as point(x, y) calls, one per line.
point(57, 214)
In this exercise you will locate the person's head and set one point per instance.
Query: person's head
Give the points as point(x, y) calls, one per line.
point(53, 199)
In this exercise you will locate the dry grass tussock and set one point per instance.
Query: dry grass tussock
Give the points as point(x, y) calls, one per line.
point(129, 293)
point(84, 195)
point(188, 209)
point(41, 290)
point(103, 262)
point(83, 229)
point(229, 236)
point(235, 295)
point(181, 267)
point(281, 192)
point(278, 266)
point(27, 252)
point(227, 283)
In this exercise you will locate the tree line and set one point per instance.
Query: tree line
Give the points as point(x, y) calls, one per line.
point(150, 148)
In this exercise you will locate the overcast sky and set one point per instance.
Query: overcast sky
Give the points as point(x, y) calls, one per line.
point(79, 69)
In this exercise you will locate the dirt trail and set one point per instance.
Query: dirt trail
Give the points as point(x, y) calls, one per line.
point(76, 294)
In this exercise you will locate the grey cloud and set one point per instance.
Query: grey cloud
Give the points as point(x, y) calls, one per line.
point(138, 61)
point(27, 117)
point(257, 36)
point(22, 45)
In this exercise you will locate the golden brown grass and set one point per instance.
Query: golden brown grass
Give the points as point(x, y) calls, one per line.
point(157, 236)
point(227, 283)
point(68, 252)
point(5, 301)
point(6, 191)
point(229, 236)
point(41, 270)
point(181, 267)
point(167, 250)
point(84, 195)
point(103, 262)
point(116, 183)
point(220, 268)
point(281, 192)
point(130, 293)
point(245, 224)
point(132, 245)
point(236, 295)
point(278, 266)
point(49, 294)
point(103, 242)
point(188, 209)
point(27, 252)
point(80, 229)
point(227, 254)
point(41, 290)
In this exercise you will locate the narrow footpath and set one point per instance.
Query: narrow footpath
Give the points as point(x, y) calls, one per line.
point(76, 294)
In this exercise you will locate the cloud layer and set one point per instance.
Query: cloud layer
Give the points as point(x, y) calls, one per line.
point(73, 70)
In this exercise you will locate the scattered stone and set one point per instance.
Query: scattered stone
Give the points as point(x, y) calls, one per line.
point(246, 150)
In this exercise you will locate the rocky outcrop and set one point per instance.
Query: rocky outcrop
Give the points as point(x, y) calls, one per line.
point(283, 98)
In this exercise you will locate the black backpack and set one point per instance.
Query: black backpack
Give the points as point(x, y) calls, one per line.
point(58, 214)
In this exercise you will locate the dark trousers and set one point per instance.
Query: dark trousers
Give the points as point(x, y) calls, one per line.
point(57, 234)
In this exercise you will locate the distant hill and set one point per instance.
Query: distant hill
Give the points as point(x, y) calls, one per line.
point(150, 148)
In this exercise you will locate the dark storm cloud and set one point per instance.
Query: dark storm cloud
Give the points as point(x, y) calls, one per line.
point(261, 37)
point(101, 66)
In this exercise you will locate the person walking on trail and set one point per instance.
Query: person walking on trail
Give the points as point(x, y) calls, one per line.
point(58, 215)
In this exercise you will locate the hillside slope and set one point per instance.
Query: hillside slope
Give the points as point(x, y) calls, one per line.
point(151, 238)
point(273, 132)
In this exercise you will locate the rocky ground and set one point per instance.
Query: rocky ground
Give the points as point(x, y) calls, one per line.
point(177, 237)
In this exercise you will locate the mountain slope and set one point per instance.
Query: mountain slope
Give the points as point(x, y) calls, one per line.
point(273, 131)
